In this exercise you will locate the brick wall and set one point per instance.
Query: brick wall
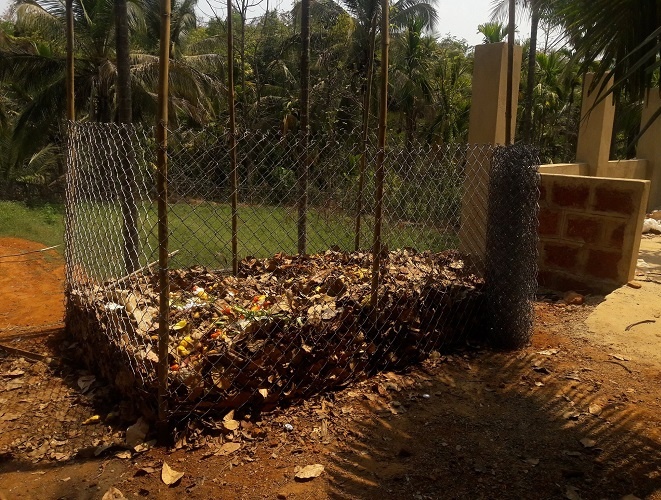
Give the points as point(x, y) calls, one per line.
point(589, 231)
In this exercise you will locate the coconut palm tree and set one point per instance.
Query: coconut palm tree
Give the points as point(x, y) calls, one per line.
point(414, 56)
point(493, 32)
point(621, 36)
point(37, 68)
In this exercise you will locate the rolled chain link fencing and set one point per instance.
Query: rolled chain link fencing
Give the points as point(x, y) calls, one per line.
point(287, 326)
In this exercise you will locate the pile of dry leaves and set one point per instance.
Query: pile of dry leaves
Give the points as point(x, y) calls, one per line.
point(285, 328)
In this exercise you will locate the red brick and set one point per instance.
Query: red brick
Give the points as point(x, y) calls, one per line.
point(613, 200)
point(570, 196)
point(549, 222)
point(583, 228)
point(561, 256)
point(603, 264)
point(616, 236)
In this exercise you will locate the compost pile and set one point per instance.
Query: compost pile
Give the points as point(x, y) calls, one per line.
point(285, 327)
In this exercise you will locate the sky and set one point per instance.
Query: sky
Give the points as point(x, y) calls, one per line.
point(458, 18)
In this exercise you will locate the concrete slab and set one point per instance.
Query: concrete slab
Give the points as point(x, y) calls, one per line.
point(627, 306)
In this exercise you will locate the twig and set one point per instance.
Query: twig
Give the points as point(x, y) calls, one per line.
point(639, 323)
point(29, 252)
point(26, 354)
point(142, 269)
point(618, 363)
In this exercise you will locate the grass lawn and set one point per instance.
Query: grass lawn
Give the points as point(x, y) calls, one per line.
point(43, 224)
point(202, 233)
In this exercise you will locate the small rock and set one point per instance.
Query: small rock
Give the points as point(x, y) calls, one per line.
point(574, 299)
point(289, 427)
point(634, 284)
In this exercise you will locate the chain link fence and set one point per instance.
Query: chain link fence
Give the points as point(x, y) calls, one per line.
point(287, 325)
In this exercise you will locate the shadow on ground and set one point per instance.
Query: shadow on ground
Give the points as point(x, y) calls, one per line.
point(506, 426)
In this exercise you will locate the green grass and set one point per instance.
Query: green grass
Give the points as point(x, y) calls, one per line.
point(202, 233)
point(43, 224)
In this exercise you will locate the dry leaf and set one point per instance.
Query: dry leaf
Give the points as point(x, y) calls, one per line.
point(231, 425)
point(136, 433)
point(170, 476)
point(85, 382)
point(123, 454)
point(588, 443)
point(227, 449)
point(309, 472)
point(595, 409)
point(94, 419)
point(264, 393)
point(113, 494)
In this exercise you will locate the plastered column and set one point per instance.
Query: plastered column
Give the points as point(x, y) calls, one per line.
point(649, 147)
point(596, 128)
point(486, 126)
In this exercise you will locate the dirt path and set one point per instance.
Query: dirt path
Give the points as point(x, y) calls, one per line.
point(31, 286)
point(563, 418)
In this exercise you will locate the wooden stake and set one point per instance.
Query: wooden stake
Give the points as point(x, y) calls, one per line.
point(510, 70)
point(304, 162)
point(162, 189)
point(380, 171)
point(71, 95)
point(234, 174)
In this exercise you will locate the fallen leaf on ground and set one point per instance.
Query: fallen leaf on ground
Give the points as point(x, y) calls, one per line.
point(94, 419)
point(309, 472)
point(595, 409)
point(136, 433)
point(143, 471)
point(85, 382)
point(549, 352)
point(227, 449)
point(123, 454)
point(588, 443)
point(170, 476)
point(113, 494)
point(13, 373)
point(572, 494)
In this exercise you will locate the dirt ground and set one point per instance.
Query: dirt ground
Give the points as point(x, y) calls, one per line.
point(570, 416)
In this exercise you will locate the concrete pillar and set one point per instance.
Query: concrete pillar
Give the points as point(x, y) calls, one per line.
point(486, 126)
point(649, 147)
point(596, 128)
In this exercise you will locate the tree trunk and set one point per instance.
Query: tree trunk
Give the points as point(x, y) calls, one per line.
point(126, 153)
point(526, 121)
point(303, 166)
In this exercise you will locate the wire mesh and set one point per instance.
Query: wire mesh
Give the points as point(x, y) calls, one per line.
point(287, 325)
point(511, 262)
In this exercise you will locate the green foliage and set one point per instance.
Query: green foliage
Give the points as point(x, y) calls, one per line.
point(44, 224)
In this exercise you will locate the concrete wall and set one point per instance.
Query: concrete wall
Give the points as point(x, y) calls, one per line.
point(589, 230)
point(486, 126)
point(614, 169)
point(649, 147)
point(596, 127)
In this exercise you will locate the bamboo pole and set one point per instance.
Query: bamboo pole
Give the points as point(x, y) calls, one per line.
point(162, 189)
point(510, 70)
point(71, 106)
point(367, 99)
point(304, 162)
point(380, 171)
point(234, 174)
